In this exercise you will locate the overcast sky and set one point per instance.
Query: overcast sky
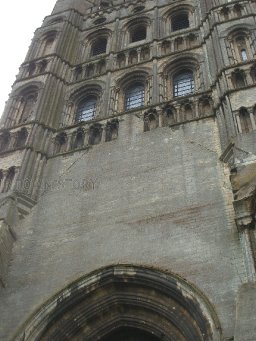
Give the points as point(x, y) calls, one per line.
point(19, 20)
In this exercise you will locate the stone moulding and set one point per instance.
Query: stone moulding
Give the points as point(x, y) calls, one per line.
point(124, 296)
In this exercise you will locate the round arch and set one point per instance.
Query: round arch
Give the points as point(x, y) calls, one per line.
point(125, 300)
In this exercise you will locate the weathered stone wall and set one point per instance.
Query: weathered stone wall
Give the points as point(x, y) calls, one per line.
point(159, 198)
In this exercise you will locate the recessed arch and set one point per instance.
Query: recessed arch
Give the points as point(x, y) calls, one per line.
point(116, 298)
point(133, 90)
point(84, 103)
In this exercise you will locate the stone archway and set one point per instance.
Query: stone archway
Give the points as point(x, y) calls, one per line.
point(128, 303)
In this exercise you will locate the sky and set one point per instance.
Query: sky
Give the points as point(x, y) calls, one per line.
point(19, 20)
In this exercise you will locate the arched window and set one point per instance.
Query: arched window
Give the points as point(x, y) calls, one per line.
point(170, 116)
point(9, 179)
point(4, 141)
point(78, 73)
point(99, 46)
point(112, 130)
point(166, 47)
point(253, 73)
point(183, 83)
point(243, 54)
point(21, 138)
point(179, 43)
point(27, 107)
point(151, 121)
point(101, 67)
point(79, 139)
point(90, 70)
point(133, 57)
point(187, 111)
point(225, 12)
point(121, 59)
point(25, 104)
point(31, 69)
point(238, 78)
point(238, 10)
point(42, 66)
point(245, 120)
point(205, 106)
point(48, 42)
point(95, 134)
point(138, 33)
point(61, 141)
point(86, 109)
point(145, 53)
point(242, 48)
point(180, 21)
point(134, 96)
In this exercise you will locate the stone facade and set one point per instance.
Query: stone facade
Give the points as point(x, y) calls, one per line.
point(128, 175)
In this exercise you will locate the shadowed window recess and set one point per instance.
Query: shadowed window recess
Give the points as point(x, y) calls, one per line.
point(138, 33)
point(87, 109)
point(99, 46)
point(180, 21)
point(135, 96)
point(183, 83)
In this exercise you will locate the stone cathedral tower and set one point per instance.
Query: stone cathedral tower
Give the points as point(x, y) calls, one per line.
point(128, 175)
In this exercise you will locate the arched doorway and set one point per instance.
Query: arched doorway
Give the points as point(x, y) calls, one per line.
point(125, 303)
point(130, 334)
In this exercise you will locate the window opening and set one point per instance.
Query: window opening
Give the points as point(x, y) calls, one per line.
point(180, 22)
point(9, 179)
point(99, 46)
point(79, 139)
point(245, 120)
point(134, 97)
point(183, 84)
point(139, 33)
point(99, 21)
point(86, 110)
point(244, 55)
point(21, 138)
